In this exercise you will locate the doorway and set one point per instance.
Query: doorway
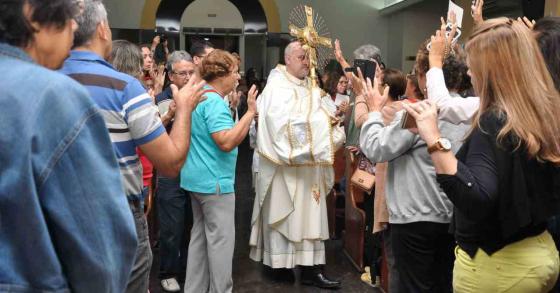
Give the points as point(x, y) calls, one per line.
point(228, 43)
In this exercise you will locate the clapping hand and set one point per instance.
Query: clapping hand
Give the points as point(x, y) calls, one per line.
point(189, 95)
point(172, 109)
point(252, 100)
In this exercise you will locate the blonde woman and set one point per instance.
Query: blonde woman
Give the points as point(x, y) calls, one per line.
point(504, 180)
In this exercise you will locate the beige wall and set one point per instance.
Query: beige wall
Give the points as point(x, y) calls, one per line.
point(409, 28)
point(124, 13)
point(227, 15)
point(354, 22)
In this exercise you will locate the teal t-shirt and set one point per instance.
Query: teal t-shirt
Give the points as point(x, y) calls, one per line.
point(209, 169)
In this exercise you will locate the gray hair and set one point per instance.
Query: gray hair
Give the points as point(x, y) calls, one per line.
point(368, 52)
point(176, 57)
point(93, 14)
point(126, 57)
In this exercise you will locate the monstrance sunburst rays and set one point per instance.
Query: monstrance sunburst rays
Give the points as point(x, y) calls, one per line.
point(307, 25)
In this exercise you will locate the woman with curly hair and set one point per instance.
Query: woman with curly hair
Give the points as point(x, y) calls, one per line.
point(209, 176)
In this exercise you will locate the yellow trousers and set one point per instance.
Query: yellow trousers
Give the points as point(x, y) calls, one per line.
point(527, 266)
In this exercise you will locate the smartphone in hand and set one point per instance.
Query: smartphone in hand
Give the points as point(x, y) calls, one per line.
point(367, 67)
point(408, 121)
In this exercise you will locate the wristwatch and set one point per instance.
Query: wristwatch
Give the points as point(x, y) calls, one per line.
point(441, 144)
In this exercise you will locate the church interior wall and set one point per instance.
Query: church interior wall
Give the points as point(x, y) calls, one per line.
point(355, 22)
point(124, 14)
point(419, 22)
point(227, 15)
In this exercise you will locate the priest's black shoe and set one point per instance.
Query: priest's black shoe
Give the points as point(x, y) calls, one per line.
point(315, 277)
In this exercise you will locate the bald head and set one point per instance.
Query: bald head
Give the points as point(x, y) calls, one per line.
point(297, 62)
point(290, 48)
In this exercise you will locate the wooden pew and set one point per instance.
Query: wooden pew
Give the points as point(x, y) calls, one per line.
point(339, 172)
point(354, 219)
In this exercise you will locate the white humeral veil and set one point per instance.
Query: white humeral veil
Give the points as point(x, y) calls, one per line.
point(296, 143)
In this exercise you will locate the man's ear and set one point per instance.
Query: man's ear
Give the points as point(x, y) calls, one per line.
point(28, 14)
point(102, 31)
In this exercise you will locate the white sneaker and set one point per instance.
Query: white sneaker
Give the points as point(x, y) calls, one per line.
point(170, 285)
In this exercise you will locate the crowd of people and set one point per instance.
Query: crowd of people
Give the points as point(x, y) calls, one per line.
point(465, 150)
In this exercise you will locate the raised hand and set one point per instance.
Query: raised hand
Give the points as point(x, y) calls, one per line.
point(374, 99)
point(156, 40)
point(189, 95)
point(337, 51)
point(340, 57)
point(476, 12)
point(529, 23)
point(252, 100)
point(158, 76)
point(452, 18)
point(357, 83)
point(437, 50)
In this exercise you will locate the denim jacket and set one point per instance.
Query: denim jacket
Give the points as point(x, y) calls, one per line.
point(65, 224)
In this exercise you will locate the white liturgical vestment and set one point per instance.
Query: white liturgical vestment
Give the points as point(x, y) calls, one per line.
point(296, 141)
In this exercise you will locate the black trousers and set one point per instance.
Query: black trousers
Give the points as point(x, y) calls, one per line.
point(372, 242)
point(175, 214)
point(424, 257)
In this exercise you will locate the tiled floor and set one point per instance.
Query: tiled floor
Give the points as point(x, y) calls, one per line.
point(252, 277)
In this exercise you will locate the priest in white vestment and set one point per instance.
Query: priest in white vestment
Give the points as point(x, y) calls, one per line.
point(297, 137)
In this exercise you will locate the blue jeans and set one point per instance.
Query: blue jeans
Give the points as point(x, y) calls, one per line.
point(140, 274)
point(65, 224)
point(174, 212)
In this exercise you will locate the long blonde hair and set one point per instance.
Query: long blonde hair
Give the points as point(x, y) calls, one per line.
point(510, 76)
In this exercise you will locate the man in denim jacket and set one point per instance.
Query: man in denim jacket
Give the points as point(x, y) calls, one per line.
point(65, 225)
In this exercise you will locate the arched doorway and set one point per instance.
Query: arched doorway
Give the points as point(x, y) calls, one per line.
point(169, 12)
point(246, 35)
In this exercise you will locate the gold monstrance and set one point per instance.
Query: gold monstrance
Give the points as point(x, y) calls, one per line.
point(311, 31)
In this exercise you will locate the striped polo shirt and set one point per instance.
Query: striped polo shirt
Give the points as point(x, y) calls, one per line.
point(130, 114)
